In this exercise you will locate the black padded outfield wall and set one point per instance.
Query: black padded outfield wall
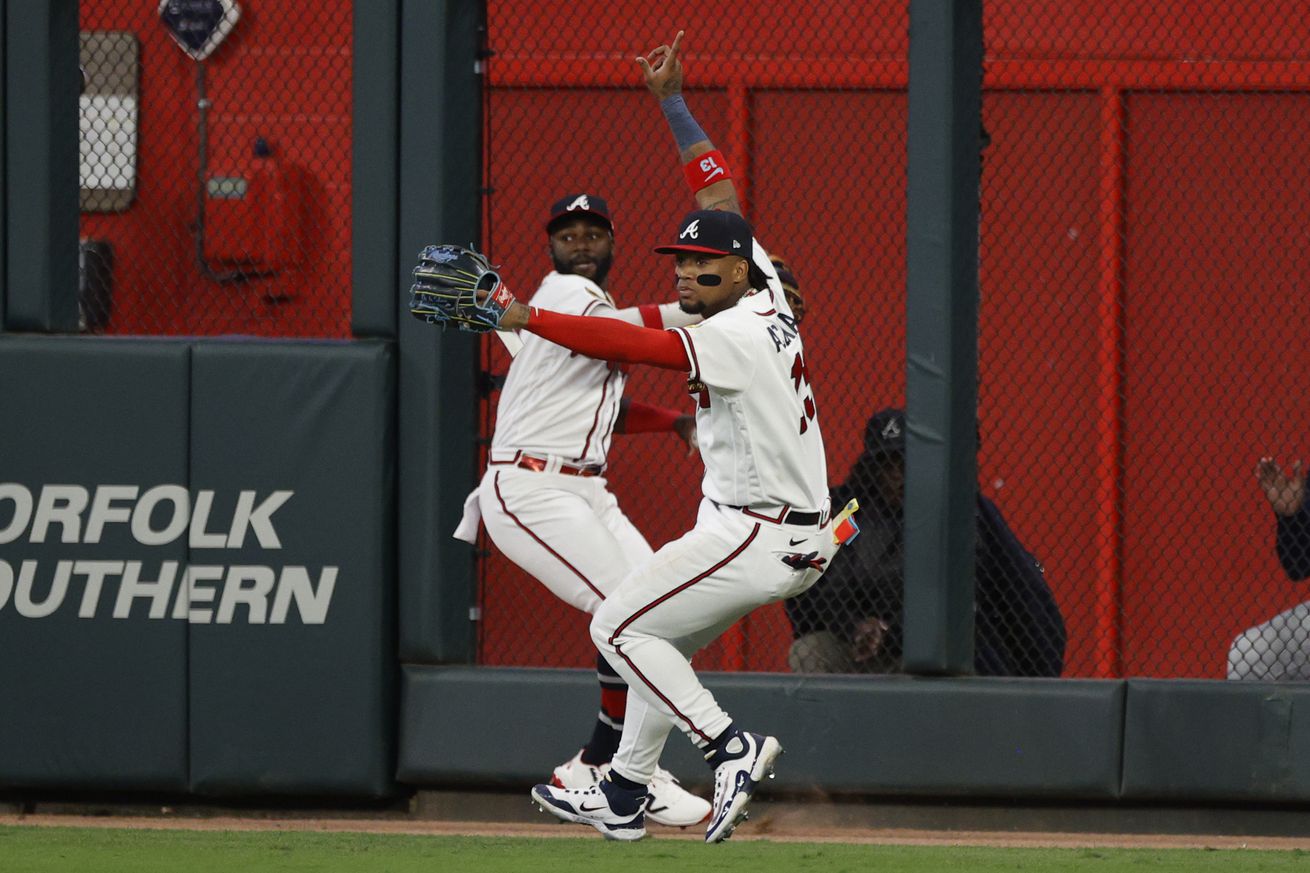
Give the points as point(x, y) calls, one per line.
point(292, 658)
point(947, 737)
point(196, 571)
point(1214, 741)
point(93, 459)
point(1135, 741)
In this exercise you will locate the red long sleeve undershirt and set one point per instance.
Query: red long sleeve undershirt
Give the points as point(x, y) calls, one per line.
point(610, 339)
point(641, 417)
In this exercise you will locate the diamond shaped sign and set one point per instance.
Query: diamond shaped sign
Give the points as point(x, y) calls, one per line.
point(198, 26)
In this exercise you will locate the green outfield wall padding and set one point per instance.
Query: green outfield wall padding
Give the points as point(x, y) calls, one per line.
point(886, 736)
point(92, 684)
point(1209, 741)
point(292, 655)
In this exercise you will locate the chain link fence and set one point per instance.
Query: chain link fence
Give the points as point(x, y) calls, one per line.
point(215, 167)
point(1143, 241)
point(1144, 205)
point(811, 114)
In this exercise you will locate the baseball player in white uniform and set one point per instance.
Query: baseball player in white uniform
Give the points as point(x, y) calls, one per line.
point(544, 499)
point(763, 531)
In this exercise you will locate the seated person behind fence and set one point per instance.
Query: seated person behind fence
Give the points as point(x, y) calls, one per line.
point(1279, 649)
point(851, 620)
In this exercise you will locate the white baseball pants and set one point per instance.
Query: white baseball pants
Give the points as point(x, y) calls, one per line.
point(566, 531)
point(569, 533)
point(689, 592)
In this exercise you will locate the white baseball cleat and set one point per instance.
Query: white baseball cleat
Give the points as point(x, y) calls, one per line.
point(592, 806)
point(669, 803)
point(672, 805)
point(573, 773)
point(748, 759)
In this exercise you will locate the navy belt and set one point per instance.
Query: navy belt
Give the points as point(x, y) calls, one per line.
point(786, 516)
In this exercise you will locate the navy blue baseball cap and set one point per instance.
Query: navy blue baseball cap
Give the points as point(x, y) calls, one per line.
point(712, 232)
point(885, 431)
point(579, 206)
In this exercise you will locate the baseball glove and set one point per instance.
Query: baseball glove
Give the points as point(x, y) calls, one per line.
point(448, 282)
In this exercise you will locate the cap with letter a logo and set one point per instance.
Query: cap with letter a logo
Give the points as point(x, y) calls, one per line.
point(579, 206)
point(885, 431)
point(712, 232)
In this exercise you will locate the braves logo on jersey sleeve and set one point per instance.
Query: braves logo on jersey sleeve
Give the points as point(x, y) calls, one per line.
point(696, 388)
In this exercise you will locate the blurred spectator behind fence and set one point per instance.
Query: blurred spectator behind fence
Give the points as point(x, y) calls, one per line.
point(1279, 649)
point(851, 620)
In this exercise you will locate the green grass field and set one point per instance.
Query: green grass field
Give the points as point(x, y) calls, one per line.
point(96, 850)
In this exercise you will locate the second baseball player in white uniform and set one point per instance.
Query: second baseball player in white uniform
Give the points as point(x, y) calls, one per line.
point(544, 499)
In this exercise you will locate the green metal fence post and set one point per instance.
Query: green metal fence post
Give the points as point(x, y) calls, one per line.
point(942, 334)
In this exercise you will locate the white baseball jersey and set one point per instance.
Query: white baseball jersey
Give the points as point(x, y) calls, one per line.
point(756, 419)
point(758, 429)
point(557, 402)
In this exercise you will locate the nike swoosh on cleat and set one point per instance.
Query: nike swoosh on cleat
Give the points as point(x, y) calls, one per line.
point(585, 808)
point(796, 542)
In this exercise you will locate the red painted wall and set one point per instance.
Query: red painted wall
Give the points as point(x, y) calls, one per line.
point(283, 74)
point(1123, 457)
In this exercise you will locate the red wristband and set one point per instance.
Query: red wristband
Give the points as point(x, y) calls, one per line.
point(704, 170)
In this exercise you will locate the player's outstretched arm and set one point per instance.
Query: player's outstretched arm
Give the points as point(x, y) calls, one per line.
point(707, 172)
point(457, 286)
point(605, 338)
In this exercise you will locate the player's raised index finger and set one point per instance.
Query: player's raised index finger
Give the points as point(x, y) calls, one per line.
point(677, 41)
